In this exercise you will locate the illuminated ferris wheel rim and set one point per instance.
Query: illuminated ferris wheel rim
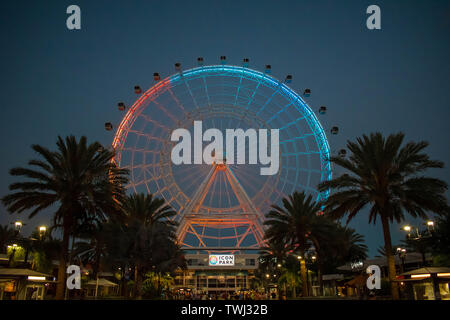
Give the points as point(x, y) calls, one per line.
point(236, 71)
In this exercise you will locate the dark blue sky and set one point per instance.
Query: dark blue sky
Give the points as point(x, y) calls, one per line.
point(60, 82)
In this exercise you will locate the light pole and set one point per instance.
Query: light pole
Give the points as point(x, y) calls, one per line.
point(28, 242)
point(18, 225)
point(42, 232)
point(421, 236)
point(402, 255)
point(13, 248)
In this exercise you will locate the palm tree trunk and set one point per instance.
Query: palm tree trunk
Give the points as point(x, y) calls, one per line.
point(294, 292)
point(319, 274)
point(303, 275)
point(159, 284)
point(135, 293)
point(390, 257)
point(61, 285)
point(137, 283)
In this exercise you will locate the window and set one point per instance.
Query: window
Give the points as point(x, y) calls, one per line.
point(249, 262)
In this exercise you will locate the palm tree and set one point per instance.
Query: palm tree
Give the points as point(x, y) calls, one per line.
point(295, 225)
point(290, 278)
point(387, 177)
point(350, 245)
point(94, 245)
point(148, 222)
point(273, 257)
point(274, 252)
point(147, 210)
point(79, 179)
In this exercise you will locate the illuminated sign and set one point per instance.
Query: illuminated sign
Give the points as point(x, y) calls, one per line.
point(221, 260)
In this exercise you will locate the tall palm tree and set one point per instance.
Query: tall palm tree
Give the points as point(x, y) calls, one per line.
point(348, 246)
point(79, 179)
point(274, 252)
point(295, 225)
point(387, 177)
point(148, 222)
point(147, 210)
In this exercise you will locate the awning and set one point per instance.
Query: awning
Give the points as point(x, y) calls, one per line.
point(424, 274)
point(102, 282)
point(427, 270)
point(15, 272)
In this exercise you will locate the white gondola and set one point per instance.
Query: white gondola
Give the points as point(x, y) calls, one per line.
point(156, 76)
point(200, 61)
point(334, 130)
point(178, 67)
point(245, 62)
point(223, 60)
point(288, 78)
point(268, 68)
point(137, 90)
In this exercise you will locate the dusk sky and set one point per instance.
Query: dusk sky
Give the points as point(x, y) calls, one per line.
point(56, 81)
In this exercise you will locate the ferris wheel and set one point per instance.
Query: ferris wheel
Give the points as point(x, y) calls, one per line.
point(221, 205)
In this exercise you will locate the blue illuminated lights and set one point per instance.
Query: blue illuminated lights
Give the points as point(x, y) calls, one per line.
point(294, 99)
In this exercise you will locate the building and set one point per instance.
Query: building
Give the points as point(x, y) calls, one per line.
point(204, 277)
point(429, 283)
point(23, 284)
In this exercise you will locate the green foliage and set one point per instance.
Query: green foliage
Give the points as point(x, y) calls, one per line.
point(15, 254)
point(155, 283)
point(441, 260)
point(79, 179)
point(441, 236)
point(388, 177)
point(7, 236)
point(294, 223)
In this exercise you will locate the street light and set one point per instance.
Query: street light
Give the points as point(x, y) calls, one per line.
point(279, 265)
point(18, 225)
point(408, 229)
point(430, 225)
point(419, 234)
point(42, 231)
